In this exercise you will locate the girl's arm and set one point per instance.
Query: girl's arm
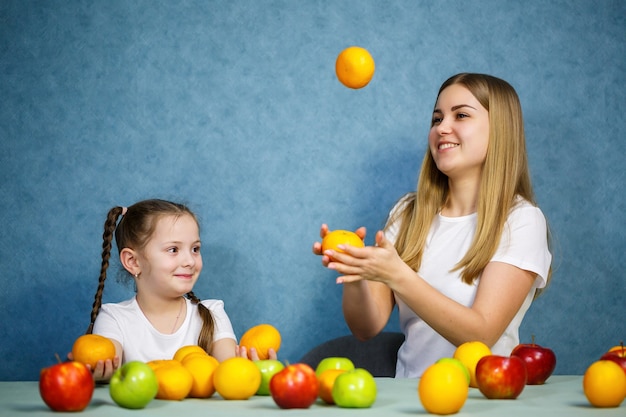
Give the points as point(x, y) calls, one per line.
point(501, 291)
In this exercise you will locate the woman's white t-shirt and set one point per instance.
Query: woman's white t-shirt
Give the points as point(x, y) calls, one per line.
point(126, 323)
point(524, 244)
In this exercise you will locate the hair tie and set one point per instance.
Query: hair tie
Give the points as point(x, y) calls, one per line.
point(124, 210)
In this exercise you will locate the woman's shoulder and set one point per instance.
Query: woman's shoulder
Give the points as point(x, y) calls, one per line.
point(526, 211)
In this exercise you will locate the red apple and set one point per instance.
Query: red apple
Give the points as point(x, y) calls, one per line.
point(501, 377)
point(616, 355)
point(66, 386)
point(296, 386)
point(540, 362)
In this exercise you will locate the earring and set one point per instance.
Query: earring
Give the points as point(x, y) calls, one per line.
point(137, 275)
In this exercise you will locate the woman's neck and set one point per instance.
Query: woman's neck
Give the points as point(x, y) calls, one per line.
point(462, 198)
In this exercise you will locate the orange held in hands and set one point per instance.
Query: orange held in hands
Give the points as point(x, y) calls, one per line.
point(333, 239)
point(354, 67)
point(91, 348)
point(262, 337)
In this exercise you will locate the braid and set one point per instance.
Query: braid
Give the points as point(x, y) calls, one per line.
point(205, 340)
point(107, 236)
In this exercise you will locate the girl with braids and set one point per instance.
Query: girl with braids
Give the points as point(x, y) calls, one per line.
point(159, 246)
point(463, 256)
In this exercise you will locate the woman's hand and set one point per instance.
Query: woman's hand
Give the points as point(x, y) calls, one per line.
point(317, 246)
point(373, 263)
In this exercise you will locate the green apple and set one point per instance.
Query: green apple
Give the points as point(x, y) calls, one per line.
point(334, 362)
point(457, 363)
point(268, 368)
point(133, 385)
point(354, 389)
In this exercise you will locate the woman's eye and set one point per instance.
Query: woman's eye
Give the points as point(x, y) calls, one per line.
point(436, 120)
point(462, 115)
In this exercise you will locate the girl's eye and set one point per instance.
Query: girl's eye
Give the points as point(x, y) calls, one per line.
point(196, 249)
point(172, 250)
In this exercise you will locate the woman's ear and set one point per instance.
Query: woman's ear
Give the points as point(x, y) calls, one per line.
point(128, 258)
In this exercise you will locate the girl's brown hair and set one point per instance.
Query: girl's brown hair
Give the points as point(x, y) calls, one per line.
point(134, 231)
point(505, 176)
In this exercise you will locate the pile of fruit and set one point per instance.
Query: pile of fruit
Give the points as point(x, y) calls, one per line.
point(192, 373)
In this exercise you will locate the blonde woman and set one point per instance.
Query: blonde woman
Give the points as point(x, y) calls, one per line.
point(464, 256)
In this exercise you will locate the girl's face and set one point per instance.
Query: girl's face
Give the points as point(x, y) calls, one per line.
point(171, 261)
point(459, 134)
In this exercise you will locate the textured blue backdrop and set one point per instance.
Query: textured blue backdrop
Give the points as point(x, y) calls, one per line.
point(233, 107)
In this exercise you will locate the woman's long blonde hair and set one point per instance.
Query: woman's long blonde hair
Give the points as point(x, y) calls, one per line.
point(505, 176)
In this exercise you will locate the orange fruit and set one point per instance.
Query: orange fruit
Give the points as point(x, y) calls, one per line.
point(201, 366)
point(91, 348)
point(469, 353)
point(326, 381)
point(340, 237)
point(175, 381)
point(355, 67)
point(185, 350)
point(604, 384)
point(237, 378)
point(262, 337)
point(443, 388)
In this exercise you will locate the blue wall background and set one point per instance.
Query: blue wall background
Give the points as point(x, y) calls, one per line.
point(233, 107)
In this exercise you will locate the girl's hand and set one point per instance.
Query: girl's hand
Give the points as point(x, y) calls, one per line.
point(242, 352)
point(317, 246)
point(104, 369)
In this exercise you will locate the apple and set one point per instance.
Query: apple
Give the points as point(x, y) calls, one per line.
point(268, 368)
point(354, 389)
point(295, 386)
point(501, 377)
point(66, 386)
point(334, 362)
point(458, 363)
point(540, 362)
point(616, 355)
point(133, 385)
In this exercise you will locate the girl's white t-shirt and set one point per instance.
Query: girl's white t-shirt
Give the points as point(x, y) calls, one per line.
point(524, 244)
point(126, 323)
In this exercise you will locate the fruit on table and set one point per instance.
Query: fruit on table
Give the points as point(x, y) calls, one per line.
point(91, 348)
point(459, 364)
point(469, 353)
point(443, 388)
point(616, 354)
point(501, 377)
point(237, 378)
point(326, 381)
point(175, 381)
point(604, 384)
point(334, 362)
point(268, 368)
point(133, 385)
point(295, 386)
point(262, 337)
point(201, 367)
point(355, 67)
point(540, 362)
point(355, 389)
point(183, 351)
point(66, 386)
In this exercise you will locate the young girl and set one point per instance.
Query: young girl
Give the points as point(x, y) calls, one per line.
point(159, 246)
point(464, 256)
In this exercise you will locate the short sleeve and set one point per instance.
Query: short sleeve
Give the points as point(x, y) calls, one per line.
point(223, 326)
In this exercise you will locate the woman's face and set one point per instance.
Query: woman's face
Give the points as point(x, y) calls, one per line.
point(459, 134)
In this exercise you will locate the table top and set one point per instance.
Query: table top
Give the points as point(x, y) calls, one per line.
point(561, 395)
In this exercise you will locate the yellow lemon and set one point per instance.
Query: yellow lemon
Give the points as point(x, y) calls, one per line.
point(443, 388)
point(355, 67)
point(237, 378)
point(604, 384)
point(469, 353)
point(175, 381)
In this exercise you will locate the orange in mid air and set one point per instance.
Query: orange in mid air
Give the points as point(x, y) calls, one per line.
point(262, 337)
point(91, 348)
point(341, 237)
point(355, 67)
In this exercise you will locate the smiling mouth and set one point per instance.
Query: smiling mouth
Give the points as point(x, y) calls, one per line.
point(447, 146)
